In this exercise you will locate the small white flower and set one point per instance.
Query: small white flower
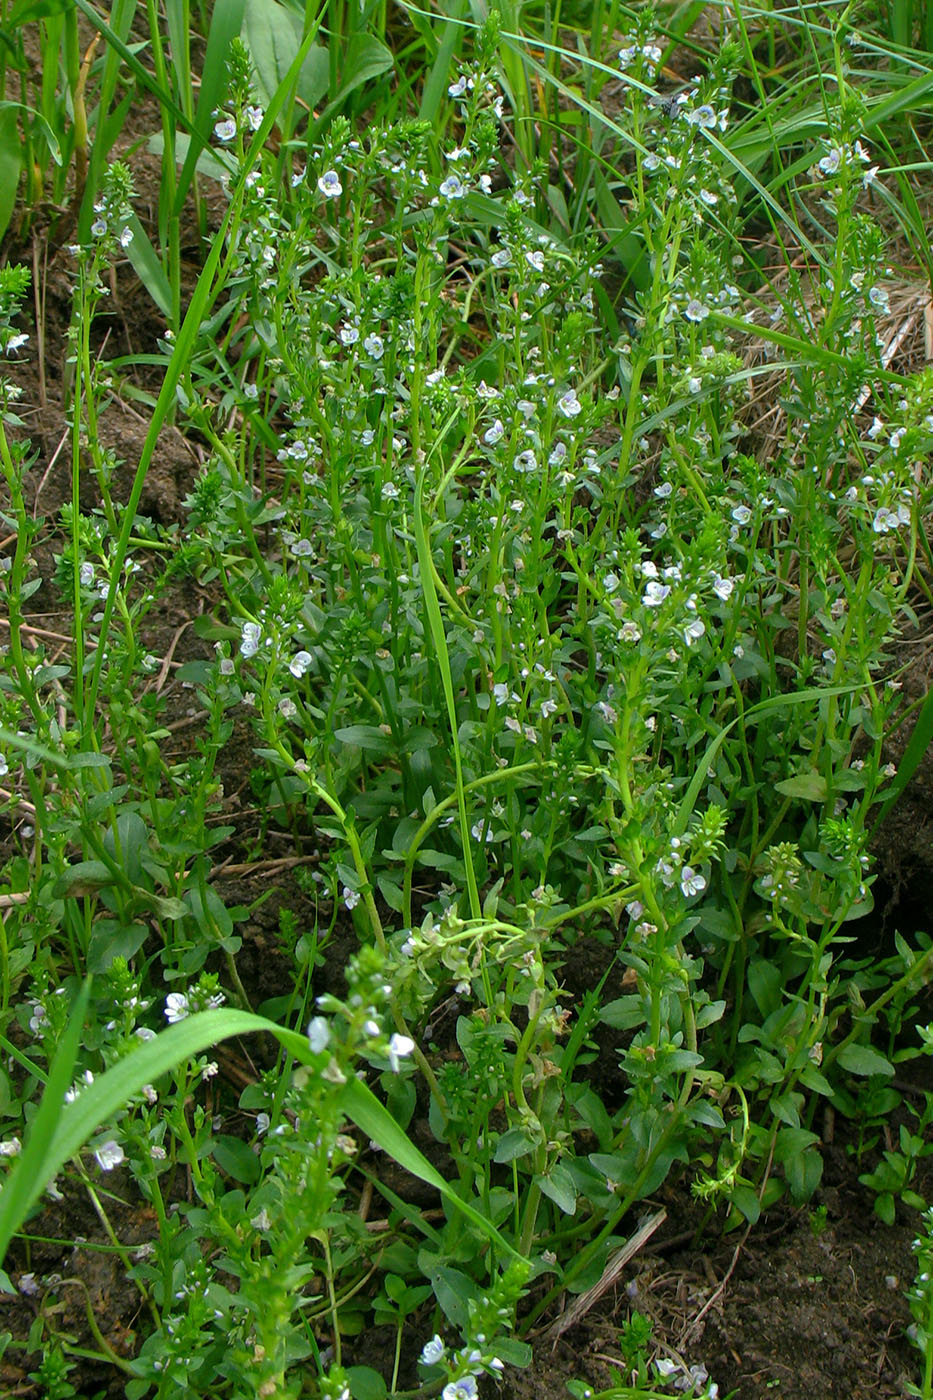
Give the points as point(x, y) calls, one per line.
point(329, 185)
point(548, 708)
point(569, 405)
point(831, 162)
point(254, 116)
point(399, 1047)
point(349, 335)
point(458, 88)
point(210, 1070)
point(252, 636)
point(176, 1007)
point(741, 515)
point(655, 594)
point(318, 1035)
point(535, 259)
point(109, 1155)
point(126, 237)
point(261, 1221)
point(432, 1351)
point(99, 228)
point(494, 434)
point(16, 342)
point(463, 1389)
point(12, 1147)
point(299, 663)
point(693, 631)
point(885, 521)
point(225, 129)
point(27, 1285)
point(351, 898)
point(695, 310)
point(501, 257)
point(879, 299)
point(525, 461)
point(373, 345)
point(723, 587)
point(691, 881)
point(453, 187)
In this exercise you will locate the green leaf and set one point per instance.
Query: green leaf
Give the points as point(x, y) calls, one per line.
point(47, 1150)
point(368, 737)
point(454, 1291)
point(558, 1186)
point(804, 1173)
point(862, 1059)
point(11, 163)
point(235, 1158)
point(148, 268)
point(366, 1384)
point(920, 741)
point(37, 1165)
point(513, 1144)
point(513, 1352)
point(810, 786)
point(88, 877)
point(110, 939)
point(765, 983)
point(273, 35)
point(365, 57)
point(746, 1200)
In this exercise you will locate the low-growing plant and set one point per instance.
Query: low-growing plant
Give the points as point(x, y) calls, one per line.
point(547, 653)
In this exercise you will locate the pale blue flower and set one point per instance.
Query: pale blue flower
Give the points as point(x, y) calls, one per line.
point(432, 1351)
point(329, 185)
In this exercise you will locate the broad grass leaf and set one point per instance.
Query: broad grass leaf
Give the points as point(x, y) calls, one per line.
point(226, 22)
point(273, 35)
point(61, 1131)
point(11, 163)
point(38, 1164)
point(365, 57)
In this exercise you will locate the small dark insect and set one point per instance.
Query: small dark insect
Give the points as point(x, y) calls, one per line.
point(668, 102)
